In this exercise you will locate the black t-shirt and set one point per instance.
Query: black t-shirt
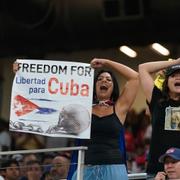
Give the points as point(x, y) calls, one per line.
point(165, 133)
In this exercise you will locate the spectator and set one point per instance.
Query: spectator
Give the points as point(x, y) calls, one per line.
point(19, 159)
point(26, 158)
point(34, 171)
point(105, 157)
point(46, 161)
point(162, 105)
point(11, 170)
point(171, 161)
point(60, 167)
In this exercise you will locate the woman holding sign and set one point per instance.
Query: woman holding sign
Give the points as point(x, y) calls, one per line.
point(105, 158)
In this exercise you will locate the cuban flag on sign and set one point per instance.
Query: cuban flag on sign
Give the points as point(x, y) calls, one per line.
point(24, 106)
point(28, 114)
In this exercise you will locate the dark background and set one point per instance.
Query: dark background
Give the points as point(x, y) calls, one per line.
point(37, 27)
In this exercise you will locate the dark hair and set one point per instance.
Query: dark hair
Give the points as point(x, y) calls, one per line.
point(115, 93)
point(47, 155)
point(7, 163)
point(32, 163)
point(165, 88)
point(165, 91)
point(65, 154)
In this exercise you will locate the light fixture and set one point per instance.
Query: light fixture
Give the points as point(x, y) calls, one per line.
point(128, 51)
point(160, 49)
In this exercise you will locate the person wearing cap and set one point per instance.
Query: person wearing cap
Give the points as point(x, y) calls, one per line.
point(171, 161)
point(164, 105)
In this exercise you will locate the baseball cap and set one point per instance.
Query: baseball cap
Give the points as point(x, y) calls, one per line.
point(170, 70)
point(172, 152)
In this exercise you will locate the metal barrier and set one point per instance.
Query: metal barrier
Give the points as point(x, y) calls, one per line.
point(80, 149)
point(80, 163)
point(137, 176)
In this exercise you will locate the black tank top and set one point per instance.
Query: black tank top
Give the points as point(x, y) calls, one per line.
point(103, 147)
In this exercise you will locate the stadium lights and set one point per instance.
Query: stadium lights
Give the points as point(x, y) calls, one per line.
point(160, 49)
point(128, 51)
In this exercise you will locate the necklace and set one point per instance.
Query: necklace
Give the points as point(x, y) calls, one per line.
point(106, 103)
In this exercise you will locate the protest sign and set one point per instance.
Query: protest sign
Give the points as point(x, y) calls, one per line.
point(52, 98)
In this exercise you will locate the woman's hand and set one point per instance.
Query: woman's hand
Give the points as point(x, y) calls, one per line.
point(97, 63)
point(178, 59)
point(15, 67)
point(160, 176)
